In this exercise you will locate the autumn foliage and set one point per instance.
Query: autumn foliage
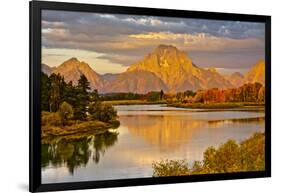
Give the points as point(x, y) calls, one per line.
point(250, 92)
point(227, 158)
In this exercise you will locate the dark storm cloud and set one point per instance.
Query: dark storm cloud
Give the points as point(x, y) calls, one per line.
point(125, 37)
point(126, 24)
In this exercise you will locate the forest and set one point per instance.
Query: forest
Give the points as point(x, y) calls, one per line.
point(69, 109)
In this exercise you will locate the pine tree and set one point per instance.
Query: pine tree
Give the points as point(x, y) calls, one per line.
point(82, 98)
point(83, 83)
point(55, 92)
point(45, 97)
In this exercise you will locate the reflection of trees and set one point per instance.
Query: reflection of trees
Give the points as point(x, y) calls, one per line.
point(76, 153)
point(101, 143)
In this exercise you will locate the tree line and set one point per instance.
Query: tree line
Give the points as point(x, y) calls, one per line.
point(150, 96)
point(250, 92)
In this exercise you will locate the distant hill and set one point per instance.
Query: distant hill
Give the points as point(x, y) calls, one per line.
point(109, 76)
point(257, 73)
point(237, 79)
point(72, 70)
point(47, 69)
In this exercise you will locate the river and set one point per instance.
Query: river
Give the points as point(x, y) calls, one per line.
point(147, 133)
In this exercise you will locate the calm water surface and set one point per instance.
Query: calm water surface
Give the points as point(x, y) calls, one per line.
point(147, 133)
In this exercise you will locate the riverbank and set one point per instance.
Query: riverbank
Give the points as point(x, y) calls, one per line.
point(219, 106)
point(134, 102)
point(78, 128)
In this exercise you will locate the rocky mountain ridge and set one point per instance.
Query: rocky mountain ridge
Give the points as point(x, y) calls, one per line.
point(165, 68)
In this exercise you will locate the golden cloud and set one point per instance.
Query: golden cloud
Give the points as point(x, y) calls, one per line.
point(199, 41)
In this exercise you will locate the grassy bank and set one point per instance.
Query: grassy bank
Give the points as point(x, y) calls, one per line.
point(133, 102)
point(78, 128)
point(228, 105)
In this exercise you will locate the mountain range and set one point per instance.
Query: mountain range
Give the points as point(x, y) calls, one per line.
point(165, 68)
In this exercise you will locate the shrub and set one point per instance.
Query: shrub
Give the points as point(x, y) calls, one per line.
point(102, 112)
point(48, 118)
point(66, 112)
point(229, 157)
point(170, 168)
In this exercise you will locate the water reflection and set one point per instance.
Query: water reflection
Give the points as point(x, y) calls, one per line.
point(258, 120)
point(146, 133)
point(76, 153)
point(171, 132)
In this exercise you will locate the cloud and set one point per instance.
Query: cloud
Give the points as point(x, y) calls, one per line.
point(124, 39)
point(200, 41)
point(128, 23)
point(56, 24)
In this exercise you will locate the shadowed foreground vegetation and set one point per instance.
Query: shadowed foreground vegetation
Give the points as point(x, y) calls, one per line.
point(227, 158)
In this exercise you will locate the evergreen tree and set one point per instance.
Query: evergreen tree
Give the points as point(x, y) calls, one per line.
point(45, 97)
point(69, 94)
point(94, 96)
point(83, 83)
point(161, 95)
point(55, 92)
point(82, 98)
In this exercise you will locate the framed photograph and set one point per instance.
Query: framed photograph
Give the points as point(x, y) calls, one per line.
point(126, 96)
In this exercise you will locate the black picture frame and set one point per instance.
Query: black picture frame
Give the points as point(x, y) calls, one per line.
point(35, 184)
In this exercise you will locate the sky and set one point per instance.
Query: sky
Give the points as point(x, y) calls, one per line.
point(109, 43)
